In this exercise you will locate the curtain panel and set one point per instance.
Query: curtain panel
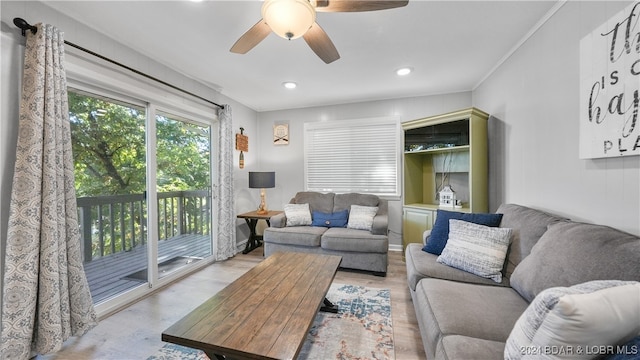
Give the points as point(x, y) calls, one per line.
point(226, 235)
point(46, 296)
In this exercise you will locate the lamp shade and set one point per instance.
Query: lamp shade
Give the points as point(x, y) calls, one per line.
point(262, 179)
point(289, 19)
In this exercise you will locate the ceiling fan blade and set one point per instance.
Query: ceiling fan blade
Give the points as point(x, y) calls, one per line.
point(251, 38)
point(320, 43)
point(358, 5)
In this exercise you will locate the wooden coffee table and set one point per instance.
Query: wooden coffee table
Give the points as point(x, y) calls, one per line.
point(265, 314)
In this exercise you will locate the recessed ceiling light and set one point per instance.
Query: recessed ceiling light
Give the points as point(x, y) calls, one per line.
point(289, 85)
point(403, 71)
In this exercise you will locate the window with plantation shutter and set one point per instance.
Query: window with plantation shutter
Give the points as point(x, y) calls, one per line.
point(353, 156)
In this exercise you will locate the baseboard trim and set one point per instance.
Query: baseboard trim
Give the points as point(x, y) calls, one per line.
point(395, 247)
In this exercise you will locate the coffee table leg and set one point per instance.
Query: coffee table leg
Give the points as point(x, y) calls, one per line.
point(329, 307)
point(213, 356)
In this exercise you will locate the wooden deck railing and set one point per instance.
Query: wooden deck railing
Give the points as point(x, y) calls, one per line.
point(117, 223)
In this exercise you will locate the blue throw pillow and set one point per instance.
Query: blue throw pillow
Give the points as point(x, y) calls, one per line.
point(336, 219)
point(440, 232)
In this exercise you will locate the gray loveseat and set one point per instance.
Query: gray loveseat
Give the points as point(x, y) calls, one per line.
point(360, 249)
point(465, 316)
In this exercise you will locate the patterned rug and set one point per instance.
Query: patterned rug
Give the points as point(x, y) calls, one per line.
point(360, 330)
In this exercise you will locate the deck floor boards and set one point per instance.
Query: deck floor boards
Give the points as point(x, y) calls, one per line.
point(107, 276)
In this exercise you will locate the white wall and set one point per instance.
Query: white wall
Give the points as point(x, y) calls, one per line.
point(534, 136)
point(288, 160)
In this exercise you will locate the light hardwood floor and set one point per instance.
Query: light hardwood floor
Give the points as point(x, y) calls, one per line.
point(134, 333)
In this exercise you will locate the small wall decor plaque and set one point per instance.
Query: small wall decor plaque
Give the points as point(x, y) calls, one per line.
point(242, 141)
point(281, 134)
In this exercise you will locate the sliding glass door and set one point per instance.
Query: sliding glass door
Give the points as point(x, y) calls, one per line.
point(110, 157)
point(111, 147)
point(183, 177)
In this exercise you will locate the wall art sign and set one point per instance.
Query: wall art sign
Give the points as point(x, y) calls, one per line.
point(281, 134)
point(242, 144)
point(609, 85)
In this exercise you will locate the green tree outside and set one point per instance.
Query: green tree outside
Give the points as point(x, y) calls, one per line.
point(109, 149)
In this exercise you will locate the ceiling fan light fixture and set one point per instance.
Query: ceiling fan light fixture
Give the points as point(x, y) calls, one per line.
point(289, 19)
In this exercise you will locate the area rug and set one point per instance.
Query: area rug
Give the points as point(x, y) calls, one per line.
point(360, 330)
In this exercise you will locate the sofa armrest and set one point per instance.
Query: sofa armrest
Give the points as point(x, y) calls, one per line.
point(278, 221)
point(380, 224)
point(425, 236)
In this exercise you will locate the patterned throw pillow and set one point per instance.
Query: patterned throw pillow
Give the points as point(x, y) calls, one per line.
point(361, 217)
point(297, 214)
point(576, 320)
point(477, 249)
point(440, 232)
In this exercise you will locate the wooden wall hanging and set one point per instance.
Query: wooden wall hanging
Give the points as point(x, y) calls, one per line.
point(242, 144)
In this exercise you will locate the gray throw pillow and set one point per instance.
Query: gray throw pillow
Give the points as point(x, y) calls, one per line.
point(361, 217)
point(477, 249)
point(297, 214)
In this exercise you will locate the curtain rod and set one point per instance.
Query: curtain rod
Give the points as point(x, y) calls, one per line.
point(24, 26)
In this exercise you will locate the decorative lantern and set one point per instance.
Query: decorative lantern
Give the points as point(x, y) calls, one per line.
point(447, 197)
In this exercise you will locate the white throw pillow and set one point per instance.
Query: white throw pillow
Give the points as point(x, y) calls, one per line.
point(361, 217)
point(577, 322)
point(297, 214)
point(477, 249)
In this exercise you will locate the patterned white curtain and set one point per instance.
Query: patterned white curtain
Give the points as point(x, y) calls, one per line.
point(46, 296)
point(226, 236)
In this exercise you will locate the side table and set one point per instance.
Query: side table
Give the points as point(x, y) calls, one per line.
point(252, 218)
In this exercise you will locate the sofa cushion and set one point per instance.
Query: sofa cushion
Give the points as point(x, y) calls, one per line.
point(478, 249)
point(341, 239)
point(528, 226)
point(590, 314)
point(421, 264)
point(471, 310)
point(440, 231)
point(361, 217)
point(297, 214)
point(295, 235)
point(567, 255)
point(317, 201)
point(465, 347)
point(344, 201)
point(336, 219)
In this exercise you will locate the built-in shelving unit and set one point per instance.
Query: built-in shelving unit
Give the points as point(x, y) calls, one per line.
point(448, 149)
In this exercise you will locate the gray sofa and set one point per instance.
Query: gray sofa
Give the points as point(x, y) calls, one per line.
point(360, 249)
point(465, 316)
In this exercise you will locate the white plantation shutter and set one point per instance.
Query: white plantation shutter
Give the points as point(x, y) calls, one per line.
point(353, 156)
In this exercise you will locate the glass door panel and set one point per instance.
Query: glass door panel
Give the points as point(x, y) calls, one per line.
point(184, 198)
point(109, 150)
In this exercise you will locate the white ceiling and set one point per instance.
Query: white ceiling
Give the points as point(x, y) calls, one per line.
point(451, 45)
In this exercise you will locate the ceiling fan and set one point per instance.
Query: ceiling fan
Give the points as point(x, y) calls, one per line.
point(291, 19)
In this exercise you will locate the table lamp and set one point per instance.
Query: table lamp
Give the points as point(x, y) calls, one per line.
point(262, 180)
